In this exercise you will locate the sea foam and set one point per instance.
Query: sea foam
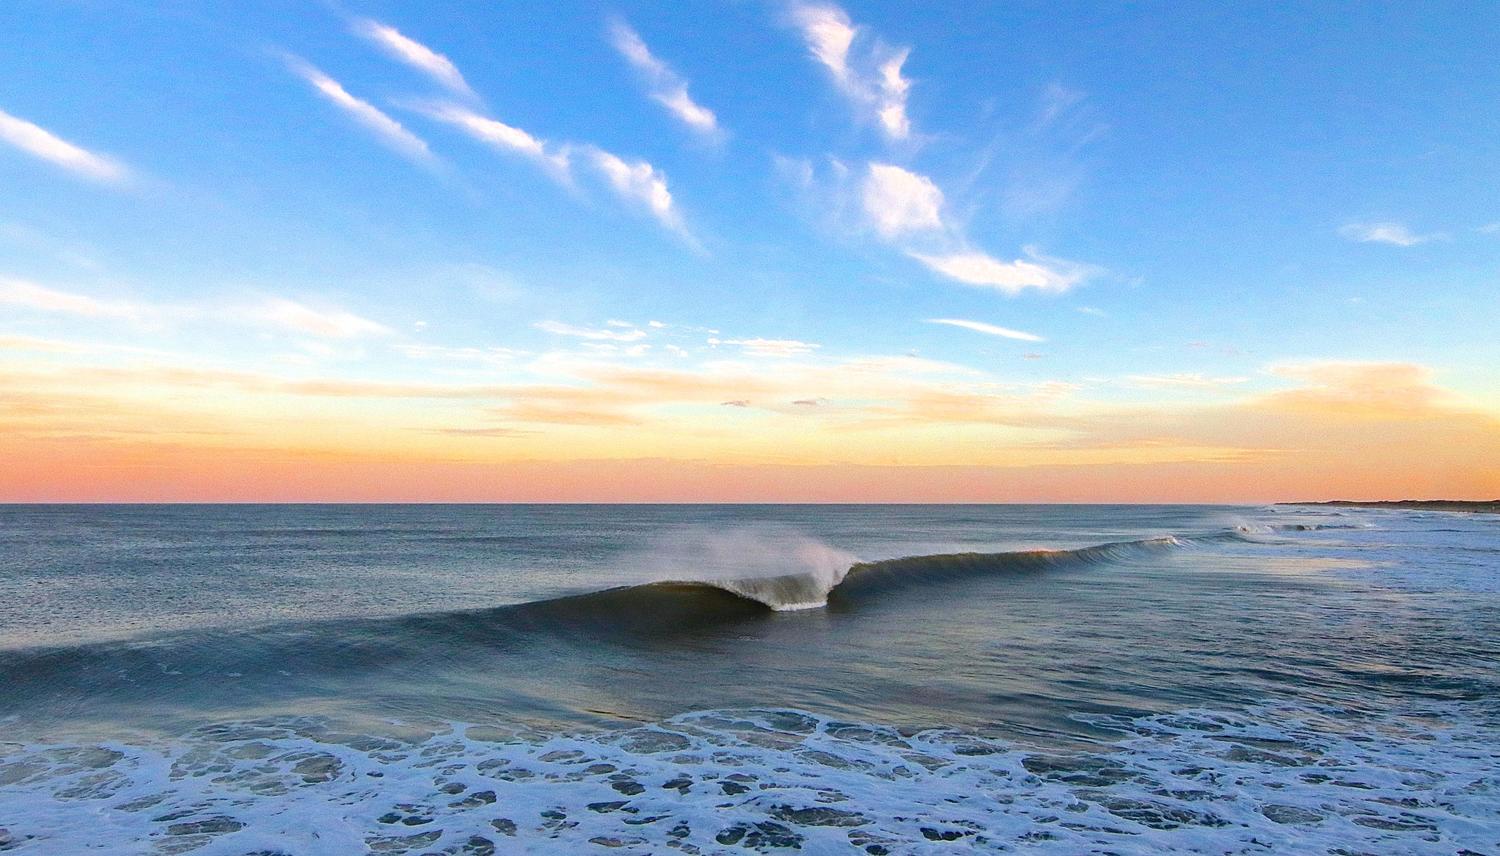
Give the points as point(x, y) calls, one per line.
point(1269, 779)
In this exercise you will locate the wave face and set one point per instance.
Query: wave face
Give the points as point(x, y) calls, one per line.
point(654, 612)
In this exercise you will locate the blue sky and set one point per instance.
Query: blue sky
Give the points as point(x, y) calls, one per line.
point(1171, 202)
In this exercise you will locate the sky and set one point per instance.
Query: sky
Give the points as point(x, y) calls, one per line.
point(748, 250)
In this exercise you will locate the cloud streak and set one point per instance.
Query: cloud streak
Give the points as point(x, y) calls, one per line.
point(1183, 380)
point(323, 323)
point(596, 334)
point(637, 182)
point(1395, 234)
point(988, 329)
point(29, 295)
point(276, 312)
point(769, 347)
point(42, 144)
point(500, 136)
point(865, 69)
point(664, 85)
point(640, 184)
point(973, 267)
point(387, 130)
point(909, 211)
point(413, 53)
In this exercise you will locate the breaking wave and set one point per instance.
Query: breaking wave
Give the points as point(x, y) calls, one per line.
point(657, 610)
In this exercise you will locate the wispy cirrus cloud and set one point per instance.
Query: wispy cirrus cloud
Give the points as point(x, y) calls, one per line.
point(42, 144)
point(597, 334)
point(390, 132)
point(498, 135)
point(1395, 234)
point(988, 329)
point(277, 312)
point(664, 85)
point(768, 347)
point(413, 53)
point(974, 267)
point(29, 295)
point(327, 323)
point(1183, 380)
point(908, 210)
point(640, 184)
point(637, 182)
point(866, 70)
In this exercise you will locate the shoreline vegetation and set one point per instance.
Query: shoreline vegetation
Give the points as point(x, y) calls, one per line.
point(1476, 506)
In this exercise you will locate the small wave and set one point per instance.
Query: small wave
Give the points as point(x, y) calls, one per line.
point(1271, 528)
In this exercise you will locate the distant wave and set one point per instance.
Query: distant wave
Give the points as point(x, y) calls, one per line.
point(1272, 528)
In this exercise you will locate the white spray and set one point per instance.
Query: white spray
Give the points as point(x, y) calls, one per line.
point(780, 567)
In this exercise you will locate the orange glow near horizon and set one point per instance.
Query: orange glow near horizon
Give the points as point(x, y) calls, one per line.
point(1365, 431)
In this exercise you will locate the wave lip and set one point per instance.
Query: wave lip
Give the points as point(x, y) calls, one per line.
point(787, 592)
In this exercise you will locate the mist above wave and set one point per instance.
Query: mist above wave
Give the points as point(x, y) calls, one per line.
point(777, 566)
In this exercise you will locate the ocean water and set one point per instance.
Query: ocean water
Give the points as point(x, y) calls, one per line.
point(737, 679)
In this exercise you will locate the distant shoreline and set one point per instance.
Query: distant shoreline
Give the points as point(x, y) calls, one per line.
point(1481, 506)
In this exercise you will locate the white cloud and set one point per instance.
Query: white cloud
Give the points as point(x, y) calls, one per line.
point(769, 347)
point(988, 329)
point(40, 143)
point(271, 311)
point(871, 77)
point(1395, 234)
point(499, 135)
point(324, 323)
point(1490, 228)
point(909, 211)
point(387, 129)
point(898, 201)
point(637, 182)
point(1183, 380)
point(29, 295)
point(664, 85)
point(640, 183)
point(493, 356)
point(413, 53)
point(973, 267)
point(590, 333)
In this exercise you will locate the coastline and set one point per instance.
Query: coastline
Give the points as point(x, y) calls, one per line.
point(1481, 506)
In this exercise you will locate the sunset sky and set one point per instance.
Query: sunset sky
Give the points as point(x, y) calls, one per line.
point(748, 251)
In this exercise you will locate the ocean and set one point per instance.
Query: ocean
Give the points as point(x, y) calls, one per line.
point(478, 679)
